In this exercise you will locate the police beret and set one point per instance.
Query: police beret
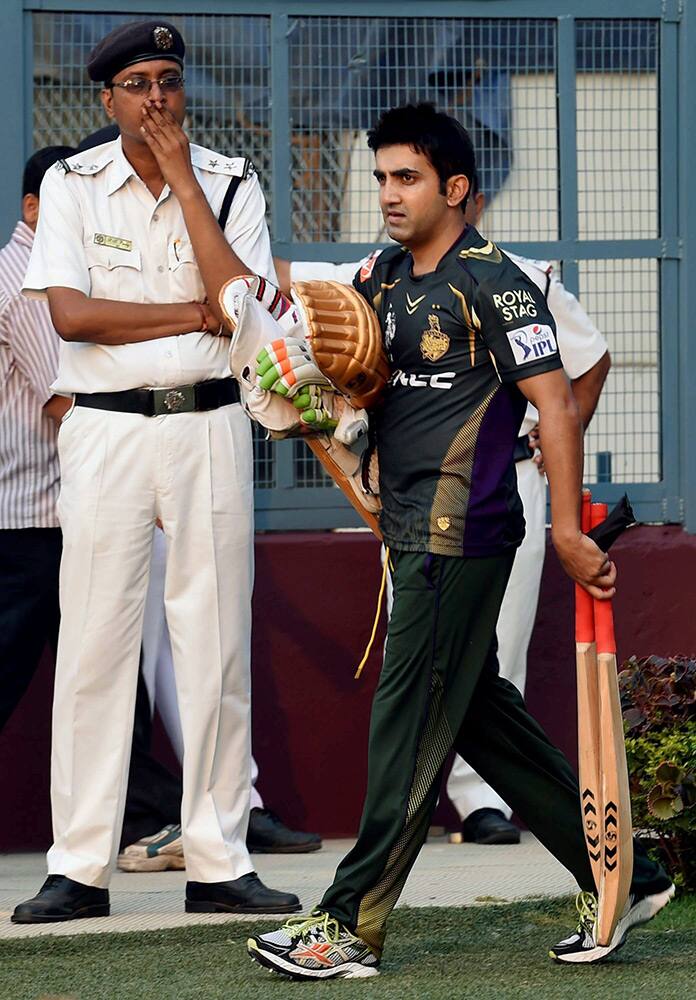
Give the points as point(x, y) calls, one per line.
point(134, 42)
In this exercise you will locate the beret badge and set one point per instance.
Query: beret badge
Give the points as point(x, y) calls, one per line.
point(163, 38)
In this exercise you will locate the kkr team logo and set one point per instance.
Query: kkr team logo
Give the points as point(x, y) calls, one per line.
point(434, 343)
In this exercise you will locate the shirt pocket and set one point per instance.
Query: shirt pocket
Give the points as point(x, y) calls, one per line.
point(115, 274)
point(186, 280)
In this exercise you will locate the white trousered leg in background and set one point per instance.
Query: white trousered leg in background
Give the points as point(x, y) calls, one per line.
point(119, 472)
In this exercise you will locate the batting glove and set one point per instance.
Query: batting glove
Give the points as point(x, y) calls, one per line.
point(315, 405)
point(286, 366)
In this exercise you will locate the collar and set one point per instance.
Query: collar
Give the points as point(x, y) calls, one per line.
point(121, 168)
point(23, 234)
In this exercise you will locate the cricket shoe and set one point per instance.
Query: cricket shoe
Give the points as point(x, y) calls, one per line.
point(156, 853)
point(582, 945)
point(314, 947)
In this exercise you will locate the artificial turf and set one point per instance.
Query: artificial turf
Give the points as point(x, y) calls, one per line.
point(482, 953)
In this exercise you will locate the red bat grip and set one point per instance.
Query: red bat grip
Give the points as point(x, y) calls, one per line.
point(603, 611)
point(584, 610)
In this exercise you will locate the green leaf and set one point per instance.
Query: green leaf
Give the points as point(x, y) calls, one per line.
point(664, 803)
point(669, 773)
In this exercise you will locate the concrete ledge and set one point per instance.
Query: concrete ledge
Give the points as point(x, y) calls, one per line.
point(444, 875)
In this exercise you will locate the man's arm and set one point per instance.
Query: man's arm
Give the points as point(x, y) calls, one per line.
point(588, 387)
point(586, 391)
point(77, 317)
point(560, 431)
point(216, 260)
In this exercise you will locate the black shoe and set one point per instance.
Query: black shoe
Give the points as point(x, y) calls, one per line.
point(267, 834)
point(60, 898)
point(489, 826)
point(247, 894)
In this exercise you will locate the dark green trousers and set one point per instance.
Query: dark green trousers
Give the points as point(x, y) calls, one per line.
point(439, 688)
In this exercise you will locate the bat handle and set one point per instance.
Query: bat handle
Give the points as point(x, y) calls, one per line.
point(603, 611)
point(584, 610)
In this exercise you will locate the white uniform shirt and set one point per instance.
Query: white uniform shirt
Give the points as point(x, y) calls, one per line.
point(102, 232)
point(579, 341)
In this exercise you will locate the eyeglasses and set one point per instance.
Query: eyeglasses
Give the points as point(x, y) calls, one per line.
point(141, 85)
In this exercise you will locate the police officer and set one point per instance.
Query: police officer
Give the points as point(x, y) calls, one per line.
point(155, 430)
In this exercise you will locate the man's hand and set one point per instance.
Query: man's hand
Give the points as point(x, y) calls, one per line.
point(212, 322)
point(285, 366)
point(585, 563)
point(535, 443)
point(56, 408)
point(170, 147)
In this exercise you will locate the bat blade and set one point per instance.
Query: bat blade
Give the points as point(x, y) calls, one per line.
point(616, 835)
point(617, 827)
point(591, 804)
point(320, 449)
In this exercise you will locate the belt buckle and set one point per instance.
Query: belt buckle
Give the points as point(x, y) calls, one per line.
point(181, 399)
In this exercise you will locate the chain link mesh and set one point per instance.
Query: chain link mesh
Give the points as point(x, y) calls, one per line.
point(499, 77)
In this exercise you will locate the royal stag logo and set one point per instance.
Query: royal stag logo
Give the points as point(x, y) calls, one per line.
point(434, 343)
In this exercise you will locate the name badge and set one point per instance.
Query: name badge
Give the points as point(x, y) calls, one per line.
point(115, 242)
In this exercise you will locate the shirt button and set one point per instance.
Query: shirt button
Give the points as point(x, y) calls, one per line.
point(155, 218)
point(160, 268)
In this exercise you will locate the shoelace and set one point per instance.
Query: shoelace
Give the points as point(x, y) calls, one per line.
point(299, 928)
point(586, 903)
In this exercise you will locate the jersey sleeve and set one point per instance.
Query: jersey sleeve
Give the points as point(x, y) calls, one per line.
point(57, 255)
point(516, 325)
point(579, 341)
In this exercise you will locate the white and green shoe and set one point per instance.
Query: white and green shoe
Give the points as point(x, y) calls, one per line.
point(314, 947)
point(158, 853)
point(582, 945)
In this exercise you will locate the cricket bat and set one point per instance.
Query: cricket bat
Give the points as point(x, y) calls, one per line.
point(616, 828)
point(588, 715)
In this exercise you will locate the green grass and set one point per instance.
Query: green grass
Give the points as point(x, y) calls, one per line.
point(486, 953)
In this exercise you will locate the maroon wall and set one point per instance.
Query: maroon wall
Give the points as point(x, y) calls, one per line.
point(313, 608)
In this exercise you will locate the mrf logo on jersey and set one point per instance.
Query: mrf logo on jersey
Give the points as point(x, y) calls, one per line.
point(532, 343)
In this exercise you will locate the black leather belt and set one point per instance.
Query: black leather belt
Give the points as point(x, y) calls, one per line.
point(523, 450)
point(160, 402)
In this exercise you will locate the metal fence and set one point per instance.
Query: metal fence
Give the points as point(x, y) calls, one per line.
point(575, 120)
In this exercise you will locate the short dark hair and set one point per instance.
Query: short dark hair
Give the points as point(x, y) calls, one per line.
point(37, 165)
point(441, 138)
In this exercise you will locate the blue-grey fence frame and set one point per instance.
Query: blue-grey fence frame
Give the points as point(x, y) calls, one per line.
point(671, 499)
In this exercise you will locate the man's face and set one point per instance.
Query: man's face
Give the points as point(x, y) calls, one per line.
point(413, 207)
point(124, 104)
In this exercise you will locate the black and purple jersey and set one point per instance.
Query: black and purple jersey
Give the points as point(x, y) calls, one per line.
point(458, 340)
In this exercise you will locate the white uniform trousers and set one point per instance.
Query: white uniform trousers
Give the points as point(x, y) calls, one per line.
point(158, 664)
point(120, 472)
point(466, 790)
